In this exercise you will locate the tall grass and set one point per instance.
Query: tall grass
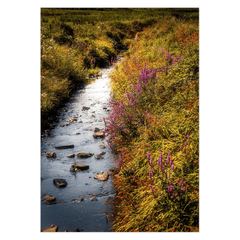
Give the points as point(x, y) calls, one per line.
point(154, 129)
point(72, 52)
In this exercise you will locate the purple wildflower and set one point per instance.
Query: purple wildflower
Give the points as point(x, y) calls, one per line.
point(151, 188)
point(181, 148)
point(159, 161)
point(184, 188)
point(148, 155)
point(181, 183)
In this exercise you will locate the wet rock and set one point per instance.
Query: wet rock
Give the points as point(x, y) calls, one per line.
point(93, 199)
point(59, 183)
point(102, 153)
point(71, 155)
point(62, 125)
point(64, 147)
point(78, 133)
point(80, 199)
point(97, 129)
point(76, 230)
point(99, 134)
point(102, 145)
point(85, 108)
point(81, 167)
point(49, 198)
point(72, 169)
point(84, 155)
point(103, 176)
point(104, 108)
point(51, 154)
point(98, 156)
point(51, 229)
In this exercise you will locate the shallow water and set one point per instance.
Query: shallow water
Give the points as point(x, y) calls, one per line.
point(67, 213)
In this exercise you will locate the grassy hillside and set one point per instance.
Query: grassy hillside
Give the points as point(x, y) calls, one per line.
point(154, 129)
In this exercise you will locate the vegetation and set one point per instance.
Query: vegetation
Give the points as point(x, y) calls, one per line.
point(76, 43)
point(154, 129)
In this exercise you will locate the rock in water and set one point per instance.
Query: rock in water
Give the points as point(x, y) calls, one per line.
point(51, 229)
point(59, 183)
point(71, 155)
point(72, 169)
point(51, 155)
point(85, 108)
point(99, 134)
point(102, 176)
point(49, 198)
point(81, 167)
point(98, 156)
point(64, 147)
point(84, 155)
point(97, 129)
point(93, 199)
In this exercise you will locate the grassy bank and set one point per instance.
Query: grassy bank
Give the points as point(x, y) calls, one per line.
point(154, 129)
point(76, 43)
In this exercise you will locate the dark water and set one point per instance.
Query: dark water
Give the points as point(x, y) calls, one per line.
point(67, 213)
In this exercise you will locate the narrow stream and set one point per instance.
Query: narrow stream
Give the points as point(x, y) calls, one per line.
point(67, 212)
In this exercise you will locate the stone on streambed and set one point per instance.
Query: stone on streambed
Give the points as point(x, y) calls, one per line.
point(51, 155)
point(102, 145)
point(85, 108)
point(99, 134)
point(51, 229)
point(80, 199)
point(49, 198)
point(93, 199)
point(98, 156)
point(80, 167)
point(64, 147)
point(84, 155)
point(60, 183)
point(102, 153)
point(103, 176)
point(97, 129)
point(77, 230)
point(71, 155)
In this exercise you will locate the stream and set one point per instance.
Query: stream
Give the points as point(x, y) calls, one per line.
point(67, 211)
